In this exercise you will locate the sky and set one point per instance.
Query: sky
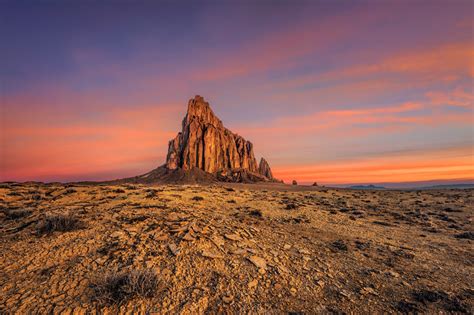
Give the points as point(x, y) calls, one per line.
point(329, 91)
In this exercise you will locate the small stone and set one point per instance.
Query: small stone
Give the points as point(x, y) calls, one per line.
point(173, 216)
point(283, 269)
point(228, 299)
point(209, 254)
point(173, 249)
point(218, 241)
point(188, 237)
point(179, 229)
point(367, 290)
point(233, 237)
point(287, 247)
point(149, 263)
point(258, 262)
point(393, 274)
point(304, 251)
point(239, 251)
point(160, 237)
point(253, 284)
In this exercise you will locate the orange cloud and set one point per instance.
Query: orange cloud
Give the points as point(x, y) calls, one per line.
point(458, 98)
point(123, 142)
point(377, 120)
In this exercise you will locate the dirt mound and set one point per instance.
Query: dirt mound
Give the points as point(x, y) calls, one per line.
point(164, 175)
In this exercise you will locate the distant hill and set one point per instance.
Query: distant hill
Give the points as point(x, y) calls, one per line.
point(449, 186)
point(366, 187)
point(454, 184)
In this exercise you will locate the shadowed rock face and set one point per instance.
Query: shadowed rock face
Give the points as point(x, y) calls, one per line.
point(206, 144)
point(264, 169)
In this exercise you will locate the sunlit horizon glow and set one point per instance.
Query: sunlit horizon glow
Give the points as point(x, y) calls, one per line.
point(334, 93)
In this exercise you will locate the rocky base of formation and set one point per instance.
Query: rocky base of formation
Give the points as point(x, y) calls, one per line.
point(164, 175)
point(241, 176)
point(205, 151)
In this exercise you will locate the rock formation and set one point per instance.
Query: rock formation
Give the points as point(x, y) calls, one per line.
point(206, 144)
point(264, 169)
point(205, 152)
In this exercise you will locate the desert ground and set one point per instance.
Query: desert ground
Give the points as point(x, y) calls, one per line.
point(229, 248)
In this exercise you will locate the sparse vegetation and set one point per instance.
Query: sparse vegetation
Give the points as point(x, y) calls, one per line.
point(60, 223)
point(238, 252)
point(118, 287)
point(14, 214)
point(466, 235)
point(256, 213)
point(197, 198)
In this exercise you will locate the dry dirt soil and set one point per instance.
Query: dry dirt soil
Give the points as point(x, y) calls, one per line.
point(251, 249)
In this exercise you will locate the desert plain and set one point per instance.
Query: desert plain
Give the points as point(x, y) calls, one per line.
point(228, 248)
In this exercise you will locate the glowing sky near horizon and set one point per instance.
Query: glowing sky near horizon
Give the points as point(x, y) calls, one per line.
point(328, 91)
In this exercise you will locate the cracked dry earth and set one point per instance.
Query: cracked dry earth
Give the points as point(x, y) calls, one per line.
point(237, 249)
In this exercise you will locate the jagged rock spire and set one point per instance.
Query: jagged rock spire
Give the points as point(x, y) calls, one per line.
point(206, 144)
point(264, 169)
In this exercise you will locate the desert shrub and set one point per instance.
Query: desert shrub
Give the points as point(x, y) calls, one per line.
point(36, 197)
point(465, 235)
point(197, 198)
point(119, 191)
point(340, 245)
point(256, 213)
point(118, 287)
point(14, 214)
point(61, 222)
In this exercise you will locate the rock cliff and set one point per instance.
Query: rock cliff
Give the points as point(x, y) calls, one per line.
point(206, 144)
point(264, 169)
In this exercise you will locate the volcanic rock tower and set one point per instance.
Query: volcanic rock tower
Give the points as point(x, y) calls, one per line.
point(205, 143)
point(206, 151)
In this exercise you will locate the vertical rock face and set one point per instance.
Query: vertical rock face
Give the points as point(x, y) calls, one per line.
point(264, 169)
point(206, 144)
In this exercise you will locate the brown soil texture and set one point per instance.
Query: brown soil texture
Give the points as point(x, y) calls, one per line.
point(233, 248)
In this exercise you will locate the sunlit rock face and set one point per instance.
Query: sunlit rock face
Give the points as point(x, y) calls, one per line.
point(206, 144)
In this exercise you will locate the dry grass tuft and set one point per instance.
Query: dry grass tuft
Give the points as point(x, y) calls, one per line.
point(118, 287)
point(14, 214)
point(60, 222)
